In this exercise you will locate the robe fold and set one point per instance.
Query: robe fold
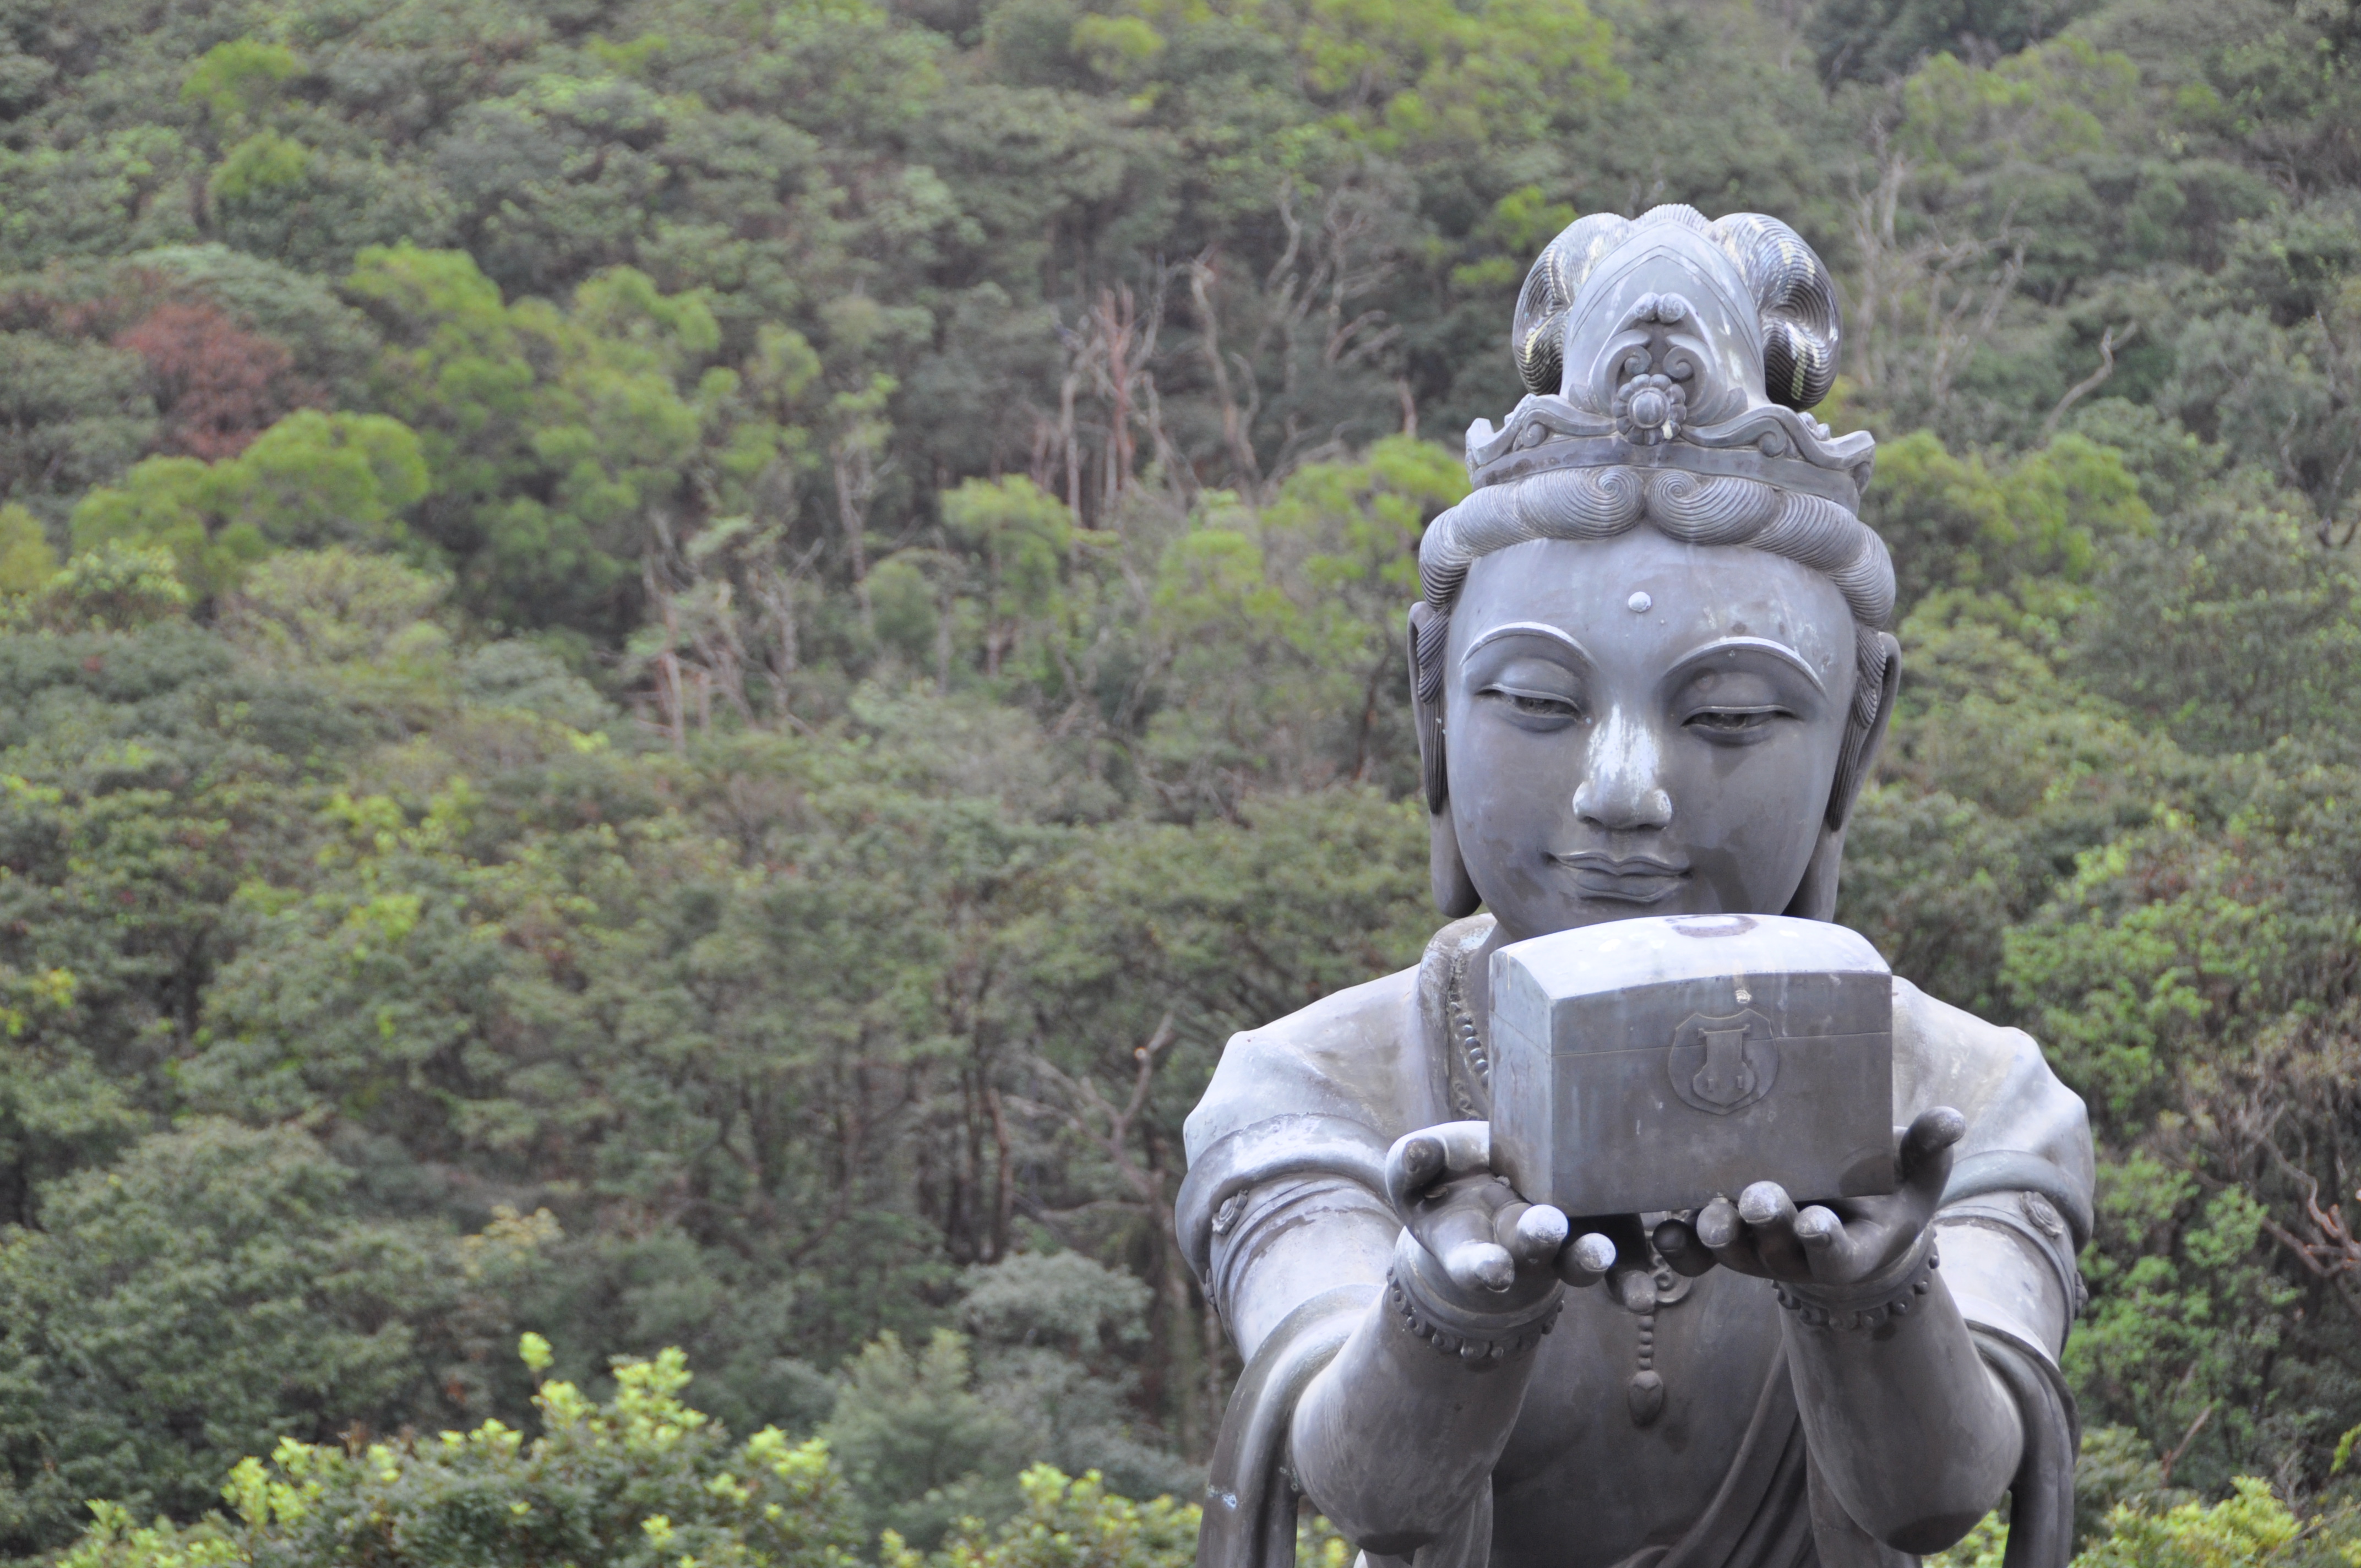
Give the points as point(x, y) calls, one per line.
point(1293, 1132)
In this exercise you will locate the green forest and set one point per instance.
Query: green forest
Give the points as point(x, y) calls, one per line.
point(671, 666)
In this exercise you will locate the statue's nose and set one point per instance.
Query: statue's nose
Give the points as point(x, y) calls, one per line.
point(1622, 791)
point(1620, 811)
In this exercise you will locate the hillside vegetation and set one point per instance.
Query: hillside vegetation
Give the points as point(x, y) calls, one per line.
point(672, 665)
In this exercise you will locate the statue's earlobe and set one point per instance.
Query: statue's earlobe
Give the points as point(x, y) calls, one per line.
point(1446, 871)
point(1816, 896)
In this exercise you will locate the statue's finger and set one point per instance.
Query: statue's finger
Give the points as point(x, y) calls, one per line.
point(1925, 1152)
point(1418, 1160)
point(1677, 1243)
point(1467, 1145)
point(1585, 1260)
point(1412, 1165)
point(1455, 1211)
point(1770, 1216)
point(1531, 1233)
point(1480, 1266)
point(1818, 1227)
point(1719, 1226)
point(1766, 1203)
point(1504, 1219)
point(1834, 1252)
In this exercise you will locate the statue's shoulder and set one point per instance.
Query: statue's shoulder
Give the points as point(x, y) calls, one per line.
point(1372, 1054)
point(2026, 1129)
point(1935, 1037)
point(1341, 1056)
point(1945, 1053)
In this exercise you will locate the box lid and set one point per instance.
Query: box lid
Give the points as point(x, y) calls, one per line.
point(1623, 954)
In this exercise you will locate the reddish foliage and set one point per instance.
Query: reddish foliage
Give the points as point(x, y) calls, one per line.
point(217, 385)
point(65, 307)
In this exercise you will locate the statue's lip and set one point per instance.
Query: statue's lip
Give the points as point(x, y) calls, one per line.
point(1598, 860)
point(1634, 879)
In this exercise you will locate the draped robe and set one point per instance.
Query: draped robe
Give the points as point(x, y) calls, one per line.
point(1292, 1133)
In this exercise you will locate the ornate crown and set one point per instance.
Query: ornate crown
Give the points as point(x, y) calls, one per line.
point(1670, 342)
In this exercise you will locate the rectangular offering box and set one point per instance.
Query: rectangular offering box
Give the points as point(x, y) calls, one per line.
point(1650, 1065)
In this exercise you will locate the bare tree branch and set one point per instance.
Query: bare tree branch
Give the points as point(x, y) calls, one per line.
point(2108, 344)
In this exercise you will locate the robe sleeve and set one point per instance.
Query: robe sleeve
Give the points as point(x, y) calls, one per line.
point(2014, 1216)
point(1291, 1137)
point(1244, 1195)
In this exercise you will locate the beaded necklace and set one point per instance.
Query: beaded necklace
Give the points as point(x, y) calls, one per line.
point(1471, 1077)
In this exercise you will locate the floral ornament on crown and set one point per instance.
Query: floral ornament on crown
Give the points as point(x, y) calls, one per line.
point(1650, 403)
point(1649, 409)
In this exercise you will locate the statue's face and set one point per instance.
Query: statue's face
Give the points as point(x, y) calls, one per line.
point(1640, 726)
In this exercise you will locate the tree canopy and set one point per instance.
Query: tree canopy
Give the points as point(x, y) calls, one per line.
point(669, 669)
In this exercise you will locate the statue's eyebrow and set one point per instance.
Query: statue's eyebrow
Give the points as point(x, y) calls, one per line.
point(1778, 650)
point(1541, 629)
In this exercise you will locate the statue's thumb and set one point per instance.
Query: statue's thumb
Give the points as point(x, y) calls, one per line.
point(1926, 1158)
point(1418, 1159)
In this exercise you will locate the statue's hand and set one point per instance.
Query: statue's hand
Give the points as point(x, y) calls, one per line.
point(1487, 1239)
point(1834, 1244)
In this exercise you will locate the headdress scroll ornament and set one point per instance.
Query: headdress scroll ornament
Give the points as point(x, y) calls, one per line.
point(1670, 342)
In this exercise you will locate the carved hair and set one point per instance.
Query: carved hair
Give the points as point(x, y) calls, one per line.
point(1602, 503)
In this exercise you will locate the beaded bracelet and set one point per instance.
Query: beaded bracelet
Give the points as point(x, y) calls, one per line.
point(1450, 1333)
point(1864, 1307)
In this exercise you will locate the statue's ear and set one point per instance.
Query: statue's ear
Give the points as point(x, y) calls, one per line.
point(1446, 871)
point(1454, 894)
point(1816, 896)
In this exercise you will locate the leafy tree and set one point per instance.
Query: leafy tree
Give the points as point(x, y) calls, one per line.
point(115, 587)
point(235, 81)
point(1880, 39)
point(331, 607)
point(553, 437)
point(26, 562)
point(2250, 1526)
point(212, 1291)
point(1058, 1341)
point(921, 1445)
point(313, 478)
point(69, 418)
point(2245, 633)
point(1021, 538)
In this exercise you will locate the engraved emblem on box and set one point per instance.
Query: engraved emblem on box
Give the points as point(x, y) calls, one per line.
point(1721, 1065)
point(1647, 1065)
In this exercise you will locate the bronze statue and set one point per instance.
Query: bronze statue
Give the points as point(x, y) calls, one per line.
point(1650, 671)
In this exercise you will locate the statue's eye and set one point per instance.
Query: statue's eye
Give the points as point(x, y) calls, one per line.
point(1726, 721)
point(1533, 705)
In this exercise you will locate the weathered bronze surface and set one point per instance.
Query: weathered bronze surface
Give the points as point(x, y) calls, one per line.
point(1556, 1251)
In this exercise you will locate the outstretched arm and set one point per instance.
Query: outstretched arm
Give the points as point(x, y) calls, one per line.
point(1911, 1431)
point(1395, 1438)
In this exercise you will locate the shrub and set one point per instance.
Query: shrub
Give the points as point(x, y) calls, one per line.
point(635, 1483)
point(1066, 1523)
